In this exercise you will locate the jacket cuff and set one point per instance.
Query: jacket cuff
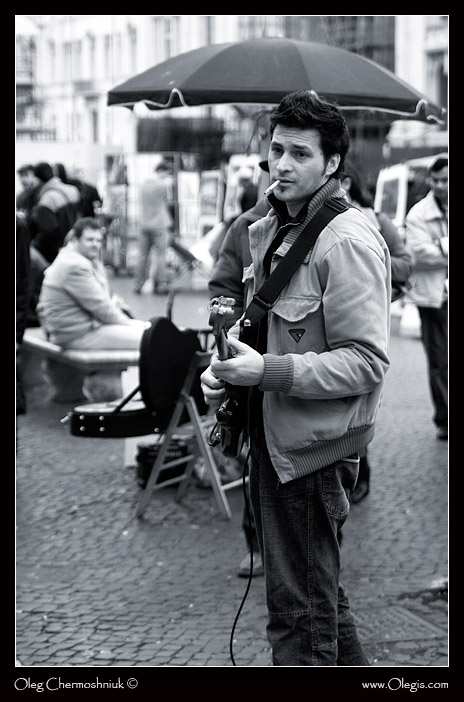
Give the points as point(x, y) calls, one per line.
point(278, 373)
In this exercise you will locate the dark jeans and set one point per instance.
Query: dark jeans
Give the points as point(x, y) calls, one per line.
point(434, 329)
point(249, 528)
point(310, 622)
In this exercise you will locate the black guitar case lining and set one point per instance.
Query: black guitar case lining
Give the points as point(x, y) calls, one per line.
point(165, 356)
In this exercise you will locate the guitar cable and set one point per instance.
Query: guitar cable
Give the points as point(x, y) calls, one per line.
point(250, 576)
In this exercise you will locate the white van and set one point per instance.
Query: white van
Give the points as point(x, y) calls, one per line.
point(400, 186)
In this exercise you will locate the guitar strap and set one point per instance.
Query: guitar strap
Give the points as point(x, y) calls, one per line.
point(267, 294)
point(233, 414)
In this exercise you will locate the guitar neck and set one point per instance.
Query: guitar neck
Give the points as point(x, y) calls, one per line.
point(222, 346)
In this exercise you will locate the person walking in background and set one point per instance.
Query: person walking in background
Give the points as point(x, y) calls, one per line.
point(25, 203)
point(27, 198)
point(427, 239)
point(248, 191)
point(76, 306)
point(155, 223)
point(90, 200)
point(401, 266)
point(315, 376)
point(54, 214)
point(400, 258)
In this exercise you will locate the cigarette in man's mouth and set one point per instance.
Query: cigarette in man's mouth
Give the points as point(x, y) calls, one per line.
point(271, 187)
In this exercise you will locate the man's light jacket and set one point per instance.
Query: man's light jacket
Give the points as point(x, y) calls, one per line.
point(327, 345)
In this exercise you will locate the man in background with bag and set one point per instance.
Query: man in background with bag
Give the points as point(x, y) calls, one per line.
point(315, 376)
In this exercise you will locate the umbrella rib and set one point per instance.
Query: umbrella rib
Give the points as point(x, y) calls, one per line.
point(421, 102)
point(174, 92)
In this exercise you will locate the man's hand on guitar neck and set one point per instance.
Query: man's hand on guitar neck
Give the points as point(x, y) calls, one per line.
point(245, 368)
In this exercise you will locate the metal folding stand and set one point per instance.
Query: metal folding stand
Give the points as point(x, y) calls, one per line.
point(190, 264)
point(196, 430)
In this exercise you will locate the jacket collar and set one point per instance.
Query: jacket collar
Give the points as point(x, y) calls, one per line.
point(331, 188)
point(281, 211)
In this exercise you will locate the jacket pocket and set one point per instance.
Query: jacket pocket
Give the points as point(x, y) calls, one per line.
point(292, 309)
point(297, 326)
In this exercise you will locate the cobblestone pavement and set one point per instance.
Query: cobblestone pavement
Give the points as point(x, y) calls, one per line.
point(97, 587)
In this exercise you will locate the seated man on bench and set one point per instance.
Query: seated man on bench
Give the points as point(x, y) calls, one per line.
point(76, 307)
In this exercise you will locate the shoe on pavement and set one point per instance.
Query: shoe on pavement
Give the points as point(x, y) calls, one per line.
point(245, 566)
point(442, 433)
point(360, 492)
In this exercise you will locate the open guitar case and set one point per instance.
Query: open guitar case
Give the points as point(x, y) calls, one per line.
point(166, 354)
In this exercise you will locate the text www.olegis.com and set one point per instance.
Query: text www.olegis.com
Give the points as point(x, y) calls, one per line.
point(402, 684)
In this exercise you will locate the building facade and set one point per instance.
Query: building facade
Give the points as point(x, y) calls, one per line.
point(66, 64)
point(421, 59)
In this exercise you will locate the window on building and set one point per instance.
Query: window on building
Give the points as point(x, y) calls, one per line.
point(69, 127)
point(166, 39)
point(77, 60)
point(132, 34)
point(107, 55)
point(297, 27)
point(171, 36)
point(78, 127)
point(52, 61)
point(208, 29)
point(94, 123)
point(256, 26)
point(91, 46)
point(437, 83)
point(67, 64)
point(117, 55)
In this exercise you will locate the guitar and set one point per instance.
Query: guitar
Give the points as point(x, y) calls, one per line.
point(231, 416)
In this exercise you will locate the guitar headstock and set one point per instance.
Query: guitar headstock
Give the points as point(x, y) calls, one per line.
point(221, 309)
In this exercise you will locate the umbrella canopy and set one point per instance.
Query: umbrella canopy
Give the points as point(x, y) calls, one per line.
point(264, 70)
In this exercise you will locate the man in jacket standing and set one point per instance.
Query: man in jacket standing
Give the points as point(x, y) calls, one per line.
point(427, 239)
point(315, 380)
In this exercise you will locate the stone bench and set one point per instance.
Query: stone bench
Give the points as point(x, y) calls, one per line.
point(91, 376)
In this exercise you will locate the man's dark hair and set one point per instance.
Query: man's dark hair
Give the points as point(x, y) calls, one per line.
point(27, 168)
point(304, 109)
point(84, 223)
point(438, 164)
point(43, 171)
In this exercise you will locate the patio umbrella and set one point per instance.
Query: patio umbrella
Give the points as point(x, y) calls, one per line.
point(264, 70)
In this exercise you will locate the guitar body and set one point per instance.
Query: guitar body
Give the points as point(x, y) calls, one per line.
point(231, 418)
point(165, 356)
